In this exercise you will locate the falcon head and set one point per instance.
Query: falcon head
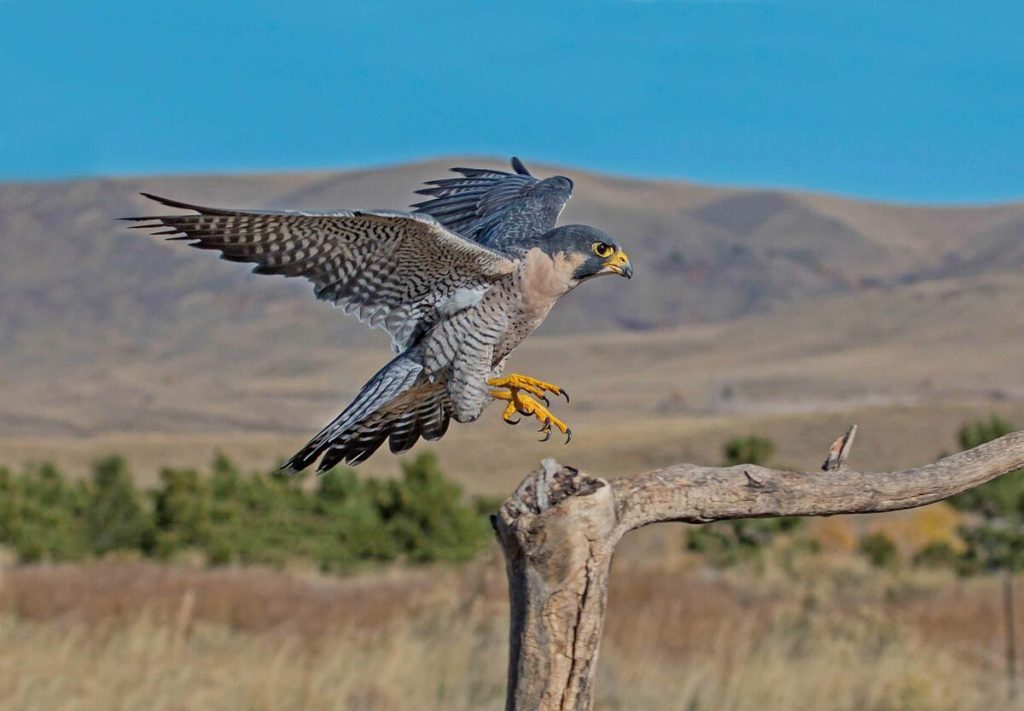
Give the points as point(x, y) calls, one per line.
point(590, 251)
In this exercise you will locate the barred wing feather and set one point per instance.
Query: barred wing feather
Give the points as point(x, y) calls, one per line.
point(397, 271)
point(494, 207)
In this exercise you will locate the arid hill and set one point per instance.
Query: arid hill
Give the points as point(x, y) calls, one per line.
point(747, 303)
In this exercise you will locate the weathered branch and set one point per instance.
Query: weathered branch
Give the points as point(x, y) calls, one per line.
point(559, 529)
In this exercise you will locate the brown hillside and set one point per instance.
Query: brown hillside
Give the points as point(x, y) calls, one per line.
point(746, 304)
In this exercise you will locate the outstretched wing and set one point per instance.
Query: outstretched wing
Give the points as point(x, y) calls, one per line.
point(497, 208)
point(398, 271)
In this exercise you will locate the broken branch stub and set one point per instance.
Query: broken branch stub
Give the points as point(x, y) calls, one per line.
point(839, 451)
point(559, 529)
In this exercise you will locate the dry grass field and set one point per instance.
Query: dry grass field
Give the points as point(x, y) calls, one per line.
point(836, 635)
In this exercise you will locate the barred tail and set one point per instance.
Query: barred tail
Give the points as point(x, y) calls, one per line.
point(397, 402)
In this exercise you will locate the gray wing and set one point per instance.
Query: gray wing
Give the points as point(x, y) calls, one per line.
point(496, 208)
point(401, 272)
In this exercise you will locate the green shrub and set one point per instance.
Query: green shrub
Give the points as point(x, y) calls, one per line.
point(181, 512)
point(233, 518)
point(10, 514)
point(355, 526)
point(751, 449)
point(880, 550)
point(726, 543)
point(993, 529)
point(44, 516)
point(1001, 498)
point(113, 515)
point(991, 547)
point(937, 554)
point(426, 516)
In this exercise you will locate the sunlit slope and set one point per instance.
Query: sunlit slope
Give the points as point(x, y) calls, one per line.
point(748, 308)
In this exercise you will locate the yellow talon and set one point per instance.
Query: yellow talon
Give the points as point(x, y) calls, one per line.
point(521, 403)
point(531, 385)
point(511, 409)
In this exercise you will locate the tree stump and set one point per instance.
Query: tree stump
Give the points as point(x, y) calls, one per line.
point(560, 527)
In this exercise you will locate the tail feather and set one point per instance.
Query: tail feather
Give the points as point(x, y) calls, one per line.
point(404, 431)
point(356, 445)
point(397, 403)
point(435, 418)
point(402, 421)
point(429, 419)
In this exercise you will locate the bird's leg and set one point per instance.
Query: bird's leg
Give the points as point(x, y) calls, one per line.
point(519, 401)
point(523, 404)
point(533, 386)
point(511, 409)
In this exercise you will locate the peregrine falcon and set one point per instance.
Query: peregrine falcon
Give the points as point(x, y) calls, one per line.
point(458, 283)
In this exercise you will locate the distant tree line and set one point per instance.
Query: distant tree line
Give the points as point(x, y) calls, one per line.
point(229, 517)
point(342, 520)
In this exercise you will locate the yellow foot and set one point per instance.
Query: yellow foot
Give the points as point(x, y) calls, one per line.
point(519, 403)
point(533, 386)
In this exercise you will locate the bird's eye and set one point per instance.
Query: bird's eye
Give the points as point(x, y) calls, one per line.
point(603, 250)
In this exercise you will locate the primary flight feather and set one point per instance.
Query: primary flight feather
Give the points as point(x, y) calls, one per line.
point(458, 285)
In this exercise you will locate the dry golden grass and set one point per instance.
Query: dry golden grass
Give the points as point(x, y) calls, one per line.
point(828, 633)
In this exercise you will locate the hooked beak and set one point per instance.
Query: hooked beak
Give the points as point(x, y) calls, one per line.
point(619, 264)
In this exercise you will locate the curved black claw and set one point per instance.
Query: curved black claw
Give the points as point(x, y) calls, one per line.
point(568, 435)
point(547, 434)
point(514, 422)
point(547, 403)
point(566, 393)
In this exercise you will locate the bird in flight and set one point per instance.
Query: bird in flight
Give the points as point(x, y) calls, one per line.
point(458, 284)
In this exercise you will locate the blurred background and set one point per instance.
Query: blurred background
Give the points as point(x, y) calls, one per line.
point(824, 203)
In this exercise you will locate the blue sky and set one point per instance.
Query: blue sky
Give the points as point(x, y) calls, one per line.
point(910, 101)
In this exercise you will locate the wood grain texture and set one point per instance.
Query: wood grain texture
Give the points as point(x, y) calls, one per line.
point(560, 527)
